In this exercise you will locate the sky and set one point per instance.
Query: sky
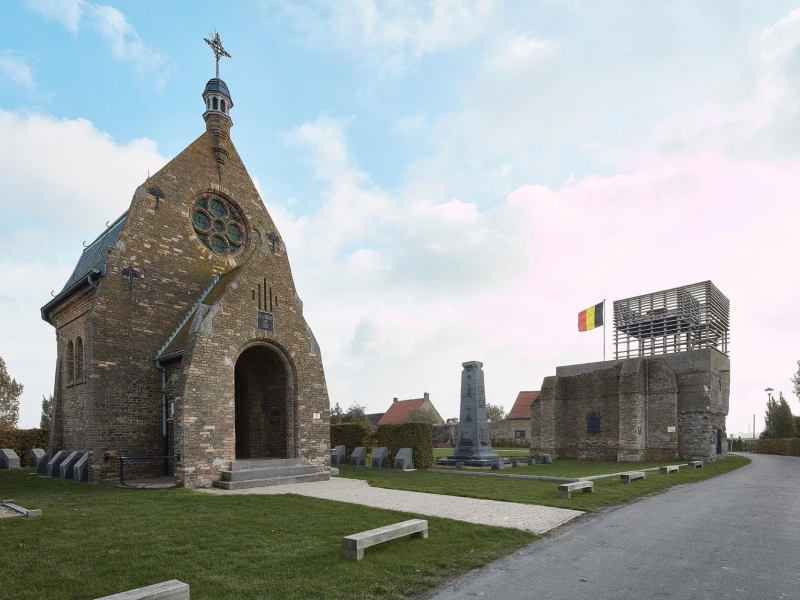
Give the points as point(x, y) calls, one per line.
point(454, 181)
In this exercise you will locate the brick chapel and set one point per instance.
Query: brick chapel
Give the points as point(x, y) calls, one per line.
point(180, 331)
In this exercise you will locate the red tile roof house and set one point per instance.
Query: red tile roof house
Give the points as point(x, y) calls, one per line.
point(517, 424)
point(402, 411)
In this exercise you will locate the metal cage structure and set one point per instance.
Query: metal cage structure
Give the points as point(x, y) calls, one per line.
point(686, 318)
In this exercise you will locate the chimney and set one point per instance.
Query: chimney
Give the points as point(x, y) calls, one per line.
point(394, 400)
point(427, 396)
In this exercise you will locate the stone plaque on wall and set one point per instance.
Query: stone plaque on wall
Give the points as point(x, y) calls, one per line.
point(266, 321)
point(593, 422)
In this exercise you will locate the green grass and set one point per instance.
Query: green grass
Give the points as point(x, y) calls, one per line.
point(95, 540)
point(607, 492)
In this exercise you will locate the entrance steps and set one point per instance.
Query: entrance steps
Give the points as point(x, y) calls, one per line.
point(261, 472)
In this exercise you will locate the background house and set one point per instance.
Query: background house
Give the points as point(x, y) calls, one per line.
point(517, 425)
point(405, 411)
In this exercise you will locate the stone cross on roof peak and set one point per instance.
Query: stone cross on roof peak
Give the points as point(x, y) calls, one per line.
point(216, 45)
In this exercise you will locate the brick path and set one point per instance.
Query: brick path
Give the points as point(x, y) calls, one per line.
point(529, 517)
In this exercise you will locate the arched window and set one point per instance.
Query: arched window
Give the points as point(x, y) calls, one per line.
point(70, 362)
point(222, 104)
point(208, 103)
point(216, 105)
point(78, 359)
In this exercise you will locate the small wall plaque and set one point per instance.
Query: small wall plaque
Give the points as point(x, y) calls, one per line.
point(266, 321)
point(670, 430)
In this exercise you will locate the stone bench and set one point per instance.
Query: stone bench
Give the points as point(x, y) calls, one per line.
point(695, 464)
point(565, 489)
point(669, 469)
point(630, 476)
point(353, 545)
point(166, 590)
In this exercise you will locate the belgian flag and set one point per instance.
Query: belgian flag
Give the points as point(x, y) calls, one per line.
point(591, 317)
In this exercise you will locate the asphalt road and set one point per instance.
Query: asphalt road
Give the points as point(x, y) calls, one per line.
point(734, 536)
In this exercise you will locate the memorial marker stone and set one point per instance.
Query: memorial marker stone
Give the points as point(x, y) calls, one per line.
point(380, 458)
point(402, 460)
point(41, 466)
point(8, 459)
point(65, 469)
point(359, 457)
point(80, 472)
point(337, 455)
point(35, 455)
point(473, 446)
point(53, 467)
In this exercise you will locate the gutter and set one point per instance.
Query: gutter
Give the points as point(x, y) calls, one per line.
point(68, 291)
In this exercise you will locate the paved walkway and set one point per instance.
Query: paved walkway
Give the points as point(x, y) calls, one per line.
point(733, 536)
point(529, 517)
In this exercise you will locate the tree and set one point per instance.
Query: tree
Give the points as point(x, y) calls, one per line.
point(355, 414)
point(10, 391)
point(425, 415)
point(47, 408)
point(336, 414)
point(780, 422)
point(495, 413)
point(795, 379)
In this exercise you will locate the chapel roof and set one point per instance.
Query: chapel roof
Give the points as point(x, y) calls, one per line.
point(217, 85)
point(522, 406)
point(94, 255)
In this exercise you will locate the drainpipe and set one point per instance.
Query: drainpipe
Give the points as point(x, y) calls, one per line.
point(94, 273)
point(164, 438)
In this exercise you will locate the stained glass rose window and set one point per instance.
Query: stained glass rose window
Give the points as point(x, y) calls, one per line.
point(219, 225)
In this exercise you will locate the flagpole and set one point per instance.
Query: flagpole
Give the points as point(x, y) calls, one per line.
point(604, 330)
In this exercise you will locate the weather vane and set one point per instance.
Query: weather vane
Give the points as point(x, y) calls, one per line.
point(216, 46)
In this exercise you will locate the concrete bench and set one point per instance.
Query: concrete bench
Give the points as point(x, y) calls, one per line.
point(166, 590)
point(669, 469)
point(696, 464)
point(630, 476)
point(353, 545)
point(565, 489)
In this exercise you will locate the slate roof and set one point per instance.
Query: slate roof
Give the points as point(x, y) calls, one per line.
point(522, 406)
point(374, 418)
point(401, 411)
point(94, 255)
point(176, 343)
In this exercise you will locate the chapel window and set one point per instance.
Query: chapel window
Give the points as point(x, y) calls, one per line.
point(208, 103)
point(79, 359)
point(222, 104)
point(219, 225)
point(216, 104)
point(70, 362)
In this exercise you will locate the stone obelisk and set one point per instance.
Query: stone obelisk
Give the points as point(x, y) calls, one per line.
point(473, 447)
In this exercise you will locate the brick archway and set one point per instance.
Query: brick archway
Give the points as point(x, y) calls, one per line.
point(265, 404)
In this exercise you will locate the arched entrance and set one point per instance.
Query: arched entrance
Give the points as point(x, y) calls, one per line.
point(264, 398)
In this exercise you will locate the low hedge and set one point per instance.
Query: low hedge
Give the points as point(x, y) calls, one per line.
point(22, 441)
point(417, 436)
point(783, 447)
point(351, 436)
point(510, 443)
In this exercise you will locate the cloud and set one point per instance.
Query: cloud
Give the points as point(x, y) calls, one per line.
point(389, 36)
point(519, 50)
point(15, 68)
point(63, 179)
point(115, 30)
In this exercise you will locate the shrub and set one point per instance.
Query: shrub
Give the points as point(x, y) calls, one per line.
point(510, 443)
point(353, 435)
point(417, 436)
point(22, 441)
point(784, 446)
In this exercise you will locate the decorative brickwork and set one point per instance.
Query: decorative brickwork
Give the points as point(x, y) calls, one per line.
point(166, 299)
point(642, 409)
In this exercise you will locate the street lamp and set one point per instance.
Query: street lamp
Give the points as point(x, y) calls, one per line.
point(769, 392)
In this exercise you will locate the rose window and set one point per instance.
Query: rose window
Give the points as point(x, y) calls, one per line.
point(219, 225)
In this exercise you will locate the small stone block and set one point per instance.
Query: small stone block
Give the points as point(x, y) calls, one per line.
point(359, 457)
point(630, 476)
point(531, 461)
point(35, 455)
point(514, 463)
point(696, 464)
point(459, 465)
point(41, 466)
point(380, 458)
point(334, 471)
point(402, 459)
point(546, 459)
point(167, 590)
point(53, 467)
point(565, 489)
point(80, 471)
point(8, 459)
point(337, 455)
point(497, 464)
point(66, 470)
point(669, 469)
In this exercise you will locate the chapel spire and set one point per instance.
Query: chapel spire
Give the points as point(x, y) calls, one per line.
point(218, 103)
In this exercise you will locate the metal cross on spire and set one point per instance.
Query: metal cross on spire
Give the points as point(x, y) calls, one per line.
point(216, 46)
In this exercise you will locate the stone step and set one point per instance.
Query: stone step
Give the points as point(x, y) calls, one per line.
point(266, 473)
point(251, 483)
point(264, 463)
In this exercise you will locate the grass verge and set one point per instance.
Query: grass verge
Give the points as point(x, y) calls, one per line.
point(95, 540)
point(607, 492)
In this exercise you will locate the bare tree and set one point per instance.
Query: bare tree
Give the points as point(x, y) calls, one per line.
point(495, 412)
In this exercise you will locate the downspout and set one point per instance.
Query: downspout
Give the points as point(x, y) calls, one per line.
point(164, 437)
point(93, 273)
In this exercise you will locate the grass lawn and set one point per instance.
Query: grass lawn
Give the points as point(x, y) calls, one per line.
point(607, 492)
point(94, 540)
